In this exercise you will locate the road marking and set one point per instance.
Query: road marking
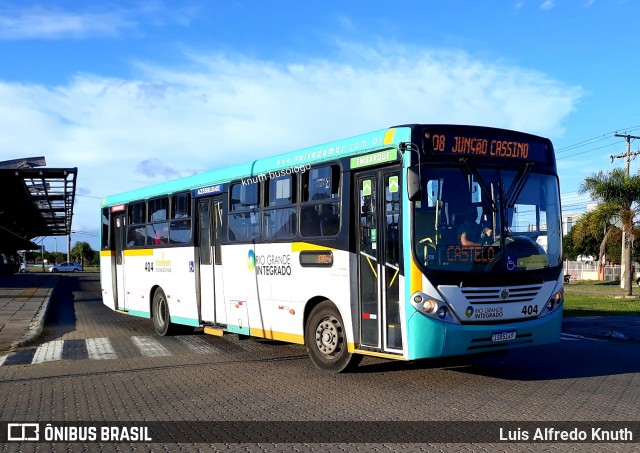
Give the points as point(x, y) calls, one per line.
point(100, 349)
point(3, 358)
point(48, 352)
point(574, 337)
point(149, 347)
point(198, 345)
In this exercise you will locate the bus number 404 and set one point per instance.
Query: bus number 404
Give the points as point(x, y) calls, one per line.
point(530, 310)
point(148, 266)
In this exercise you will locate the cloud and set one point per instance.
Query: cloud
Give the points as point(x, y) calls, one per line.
point(547, 5)
point(49, 23)
point(153, 168)
point(54, 23)
point(226, 109)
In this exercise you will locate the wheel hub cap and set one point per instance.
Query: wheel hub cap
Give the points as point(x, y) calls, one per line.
point(327, 336)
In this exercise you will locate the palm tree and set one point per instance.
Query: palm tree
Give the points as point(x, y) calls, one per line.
point(596, 223)
point(622, 192)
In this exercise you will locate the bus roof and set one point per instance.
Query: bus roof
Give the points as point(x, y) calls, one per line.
point(359, 144)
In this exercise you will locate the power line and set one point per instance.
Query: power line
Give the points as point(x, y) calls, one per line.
point(596, 139)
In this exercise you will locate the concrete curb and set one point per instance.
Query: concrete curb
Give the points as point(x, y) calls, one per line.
point(37, 323)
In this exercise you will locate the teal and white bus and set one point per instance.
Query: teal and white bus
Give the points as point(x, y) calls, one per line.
point(406, 243)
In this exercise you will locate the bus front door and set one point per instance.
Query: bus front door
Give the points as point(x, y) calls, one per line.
point(211, 297)
point(119, 233)
point(379, 239)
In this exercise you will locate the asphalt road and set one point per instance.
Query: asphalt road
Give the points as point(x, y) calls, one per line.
point(96, 365)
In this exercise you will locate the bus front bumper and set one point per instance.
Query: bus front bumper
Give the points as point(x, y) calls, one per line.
point(474, 339)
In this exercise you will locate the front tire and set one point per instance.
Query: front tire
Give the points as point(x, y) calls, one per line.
point(326, 341)
point(160, 313)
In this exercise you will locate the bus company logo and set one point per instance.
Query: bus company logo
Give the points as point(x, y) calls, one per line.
point(504, 294)
point(270, 264)
point(162, 264)
point(251, 260)
point(469, 312)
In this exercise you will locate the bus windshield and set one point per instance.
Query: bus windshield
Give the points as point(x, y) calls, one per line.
point(487, 220)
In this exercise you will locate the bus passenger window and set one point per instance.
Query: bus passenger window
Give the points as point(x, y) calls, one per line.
point(279, 223)
point(158, 233)
point(329, 219)
point(244, 216)
point(180, 232)
point(309, 221)
point(158, 209)
point(136, 236)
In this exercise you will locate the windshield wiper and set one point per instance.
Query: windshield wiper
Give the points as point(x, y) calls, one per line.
point(518, 185)
point(486, 194)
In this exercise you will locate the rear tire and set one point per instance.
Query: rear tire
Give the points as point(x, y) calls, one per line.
point(326, 341)
point(160, 313)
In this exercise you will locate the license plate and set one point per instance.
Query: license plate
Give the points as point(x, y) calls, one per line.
point(504, 336)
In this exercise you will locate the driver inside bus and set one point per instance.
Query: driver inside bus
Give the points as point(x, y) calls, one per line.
point(470, 233)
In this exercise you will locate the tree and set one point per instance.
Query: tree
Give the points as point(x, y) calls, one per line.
point(595, 225)
point(622, 193)
point(82, 253)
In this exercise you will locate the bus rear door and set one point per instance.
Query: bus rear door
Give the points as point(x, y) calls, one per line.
point(119, 228)
point(211, 295)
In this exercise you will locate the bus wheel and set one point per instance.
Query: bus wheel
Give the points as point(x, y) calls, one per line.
point(160, 313)
point(325, 340)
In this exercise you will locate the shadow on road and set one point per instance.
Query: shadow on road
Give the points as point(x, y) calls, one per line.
point(564, 360)
point(61, 316)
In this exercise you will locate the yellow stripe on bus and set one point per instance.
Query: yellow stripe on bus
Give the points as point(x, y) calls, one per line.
point(280, 336)
point(213, 331)
point(416, 278)
point(138, 252)
point(300, 246)
point(388, 136)
point(383, 355)
point(105, 252)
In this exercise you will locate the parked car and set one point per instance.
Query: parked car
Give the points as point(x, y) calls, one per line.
point(65, 267)
point(24, 268)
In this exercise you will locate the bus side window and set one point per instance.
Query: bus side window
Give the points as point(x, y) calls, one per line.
point(320, 210)
point(309, 221)
point(244, 215)
point(279, 215)
point(180, 225)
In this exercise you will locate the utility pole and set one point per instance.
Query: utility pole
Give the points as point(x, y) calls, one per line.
point(625, 261)
point(628, 154)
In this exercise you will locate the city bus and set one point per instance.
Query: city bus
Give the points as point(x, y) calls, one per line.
point(411, 242)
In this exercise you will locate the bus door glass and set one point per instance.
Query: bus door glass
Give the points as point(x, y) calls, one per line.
point(119, 230)
point(211, 299)
point(379, 257)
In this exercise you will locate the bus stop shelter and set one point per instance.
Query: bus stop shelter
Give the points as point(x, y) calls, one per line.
point(35, 201)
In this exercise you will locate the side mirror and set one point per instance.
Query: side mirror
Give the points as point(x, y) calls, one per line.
point(414, 186)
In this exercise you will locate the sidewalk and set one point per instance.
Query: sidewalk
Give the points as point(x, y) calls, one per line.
point(24, 300)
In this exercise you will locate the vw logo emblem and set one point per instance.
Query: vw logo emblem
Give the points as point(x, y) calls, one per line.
point(504, 294)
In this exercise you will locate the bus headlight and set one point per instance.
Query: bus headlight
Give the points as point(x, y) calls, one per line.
point(425, 304)
point(429, 306)
point(433, 307)
point(556, 300)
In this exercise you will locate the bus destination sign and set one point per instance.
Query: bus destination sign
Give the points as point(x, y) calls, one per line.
point(452, 143)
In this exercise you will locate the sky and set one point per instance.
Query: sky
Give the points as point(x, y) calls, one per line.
point(138, 92)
